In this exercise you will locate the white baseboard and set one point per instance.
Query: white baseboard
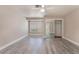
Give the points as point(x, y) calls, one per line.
point(71, 41)
point(5, 46)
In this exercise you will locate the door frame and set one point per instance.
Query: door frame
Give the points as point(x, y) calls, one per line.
point(35, 18)
point(62, 26)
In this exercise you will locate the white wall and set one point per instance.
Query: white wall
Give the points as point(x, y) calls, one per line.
point(71, 26)
point(12, 24)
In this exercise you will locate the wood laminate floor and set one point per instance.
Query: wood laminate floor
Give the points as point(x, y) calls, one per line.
point(39, 45)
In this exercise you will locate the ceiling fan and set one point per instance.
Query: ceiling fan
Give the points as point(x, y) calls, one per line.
point(39, 6)
point(42, 9)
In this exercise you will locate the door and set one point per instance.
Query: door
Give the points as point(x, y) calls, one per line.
point(58, 28)
point(47, 29)
point(36, 28)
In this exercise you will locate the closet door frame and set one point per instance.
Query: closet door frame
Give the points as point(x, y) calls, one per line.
point(62, 34)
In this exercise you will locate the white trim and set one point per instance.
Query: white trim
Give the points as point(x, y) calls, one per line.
point(71, 41)
point(6, 45)
point(63, 27)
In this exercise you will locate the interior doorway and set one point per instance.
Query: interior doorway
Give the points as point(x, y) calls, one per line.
point(58, 28)
point(36, 27)
point(54, 28)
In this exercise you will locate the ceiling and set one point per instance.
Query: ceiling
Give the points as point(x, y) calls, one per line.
point(60, 10)
point(51, 10)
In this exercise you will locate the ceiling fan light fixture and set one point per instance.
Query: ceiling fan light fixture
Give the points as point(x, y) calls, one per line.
point(42, 10)
point(42, 6)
